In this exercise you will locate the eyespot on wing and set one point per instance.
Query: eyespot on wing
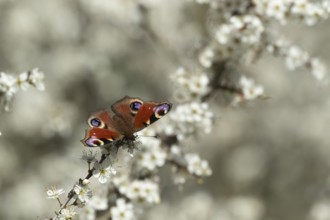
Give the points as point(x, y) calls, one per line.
point(97, 137)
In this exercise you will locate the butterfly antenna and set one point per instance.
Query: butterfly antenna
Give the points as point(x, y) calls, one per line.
point(150, 136)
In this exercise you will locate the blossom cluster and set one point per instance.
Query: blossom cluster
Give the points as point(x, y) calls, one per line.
point(188, 119)
point(296, 58)
point(193, 84)
point(141, 192)
point(240, 32)
point(249, 90)
point(197, 166)
point(151, 155)
point(10, 85)
point(305, 11)
point(244, 31)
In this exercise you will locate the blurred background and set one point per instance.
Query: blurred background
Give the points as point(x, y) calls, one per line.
point(270, 158)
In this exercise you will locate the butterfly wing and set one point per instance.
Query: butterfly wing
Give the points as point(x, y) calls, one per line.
point(134, 114)
point(102, 131)
point(149, 113)
point(127, 116)
point(97, 137)
point(126, 110)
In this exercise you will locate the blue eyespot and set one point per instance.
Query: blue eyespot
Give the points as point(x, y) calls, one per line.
point(135, 106)
point(162, 110)
point(94, 142)
point(95, 122)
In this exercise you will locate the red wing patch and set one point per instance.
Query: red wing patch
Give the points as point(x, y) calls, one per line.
point(97, 137)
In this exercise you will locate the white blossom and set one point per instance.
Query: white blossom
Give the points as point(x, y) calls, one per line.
point(197, 166)
point(295, 57)
point(175, 150)
point(318, 69)
point(8, 88)
point(307, 12)
point(83, 193)
point(206, 57)
point(103, 171)
point(22, 81)
point(188, 118)
point(122, 211)
point(67, 214)
point(54, 193)
point(191, 85)
point(143, 192)
point(89, 156)
point(249, 89)
point(10, 85)
point(240, 34)
point(151, 155)
point(36, 78)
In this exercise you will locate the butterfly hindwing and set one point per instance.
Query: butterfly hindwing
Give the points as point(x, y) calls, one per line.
point(102, 131)
point(96, 137)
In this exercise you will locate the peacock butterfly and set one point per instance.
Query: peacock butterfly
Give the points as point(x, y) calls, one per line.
point(124, 118)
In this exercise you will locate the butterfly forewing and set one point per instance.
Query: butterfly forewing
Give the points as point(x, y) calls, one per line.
point(149, 113)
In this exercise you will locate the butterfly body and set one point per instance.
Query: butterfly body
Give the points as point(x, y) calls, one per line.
point(125, 117)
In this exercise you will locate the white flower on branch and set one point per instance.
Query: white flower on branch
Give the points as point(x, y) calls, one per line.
point(188, 118)
point(54, 193)
point(89, 156)
point(191, 85)
point(22, 81)
point(296, 58)
point(103, 171)
point(67, 214)
point(143, 192)
point(122, 211)
point(318, 69)
point(249, 89)
point(83, 193)
point(197, 166)
point(36, 78)
point(308, 12)
point(151, 155)
point(9, 85)
point(206, 57)
point(8, 88)
point(272, 9)
point(241, 33)
point(277, 10)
